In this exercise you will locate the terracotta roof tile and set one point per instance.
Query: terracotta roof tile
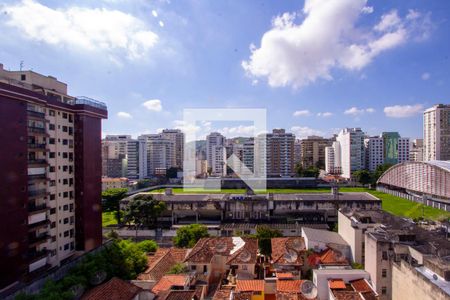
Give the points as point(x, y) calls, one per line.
point(114, 289)
point(168, 281)
point(346, 295)
point(332, 257)
point(284, 275)
point(206, 248)
point(289, 286)
point(281, 246)
point(222, 294)
point(243, 296)
point(179, 295)
point(161, 262)
point(249, 285)
point(360, 285)
point(337, 284)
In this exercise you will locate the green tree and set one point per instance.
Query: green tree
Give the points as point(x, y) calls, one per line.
point(264, 234)
point(126, 259)
point(379, 171)
point(178, 268)
point(148, 246)
point(188, 236)
point(144, 210)
point(308, 172)
point(363, 176)
point(111, 200)
point(172, 172)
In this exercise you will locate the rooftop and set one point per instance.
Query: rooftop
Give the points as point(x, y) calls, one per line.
point(249, 286)
point(325, 236)
point(288, 250)
point(358, 289)
point(161, 262)
point(169, 281)
point(114, 289)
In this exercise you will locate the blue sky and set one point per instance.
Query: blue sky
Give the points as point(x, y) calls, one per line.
point(316, 66)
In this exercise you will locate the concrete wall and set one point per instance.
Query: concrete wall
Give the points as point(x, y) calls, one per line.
point(374, 264)
point(407, 283)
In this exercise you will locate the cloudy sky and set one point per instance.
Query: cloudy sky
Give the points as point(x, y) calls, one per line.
point(315, 65)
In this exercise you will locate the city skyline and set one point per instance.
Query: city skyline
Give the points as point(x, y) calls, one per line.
point(160, 37)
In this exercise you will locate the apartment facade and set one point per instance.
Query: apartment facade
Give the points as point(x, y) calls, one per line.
point(416, 151)
point(115, 156)
point(215, 153)
point(350, 145)
point(51, 174)
point(436, 133)
point(156, 155)
point(280, 153)
point(312, 151)
point(176, 136)
point(388, 148)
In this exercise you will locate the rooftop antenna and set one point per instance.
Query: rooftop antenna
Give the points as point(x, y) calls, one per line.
point(21, 65)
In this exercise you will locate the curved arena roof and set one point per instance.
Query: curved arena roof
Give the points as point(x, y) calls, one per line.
point(431, 177)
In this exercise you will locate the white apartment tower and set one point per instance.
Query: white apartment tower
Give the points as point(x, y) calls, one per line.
point(351, 147)
point(156, 155)
point(280, 153)
point(215, 146)
point(436, 133)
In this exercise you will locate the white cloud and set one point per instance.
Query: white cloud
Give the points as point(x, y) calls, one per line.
point(299, 113)
point(426, 76)
point(325, 114)
point(367, 10)
point(153, 105)
point(299, 53)
point(161, 23)
point(403, 111)
point(238, 131)
point(154, 13)
point(354, 111)
point(124, 115)
point(90, 29)
point(303, 132)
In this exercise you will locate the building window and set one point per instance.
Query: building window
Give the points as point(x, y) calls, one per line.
point(53, 225)
point(66, 246)
point(384, 255)
point(66, 220)
point(66, 207)
point(23, 77)
point(383, 290)
point(51, 141)
point(51, 169)
point(64, 115)
point(64, 129)
point(53, 211)
point(52, 197)
point(51, 126)
point(51, 112)
point(66, 233)
point(51, 155)
point(193, 268)
point(384, 273)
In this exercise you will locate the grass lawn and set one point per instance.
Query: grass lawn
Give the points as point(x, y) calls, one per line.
point(108, 219)
point(392, 204)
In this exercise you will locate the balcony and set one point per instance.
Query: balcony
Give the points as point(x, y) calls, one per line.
point(37, 225)
point(37, 177)
point(34, 256)
point(35, 240)
point(36, 146)
point(36, 114)
point(33, 208)
point(36, 130)
point(37, 162)
point(37, 193)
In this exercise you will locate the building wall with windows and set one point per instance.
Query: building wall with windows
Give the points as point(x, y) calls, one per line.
point(436, 133)
point(51, 170)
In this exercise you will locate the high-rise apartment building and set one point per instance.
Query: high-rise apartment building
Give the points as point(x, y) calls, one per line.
point(312, 153)
point(350, 145)
point(177, 138)
point(416, 151)
point(436, 133)
point(280, 153)
point(115, 156)
point(156, 155)
point(132, 159)
point(388, 148)
point(215, 149)
point(50, 174)
point(297, 151)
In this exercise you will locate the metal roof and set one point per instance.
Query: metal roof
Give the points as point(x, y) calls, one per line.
point(444, 164)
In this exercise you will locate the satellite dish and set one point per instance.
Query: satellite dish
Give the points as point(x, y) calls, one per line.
point(221, 247)
point(98, 278)
point(308, 289)
point(245, 256)
point(298, 244)
point(291, 256)
point(338, 255)
point(77, 290)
